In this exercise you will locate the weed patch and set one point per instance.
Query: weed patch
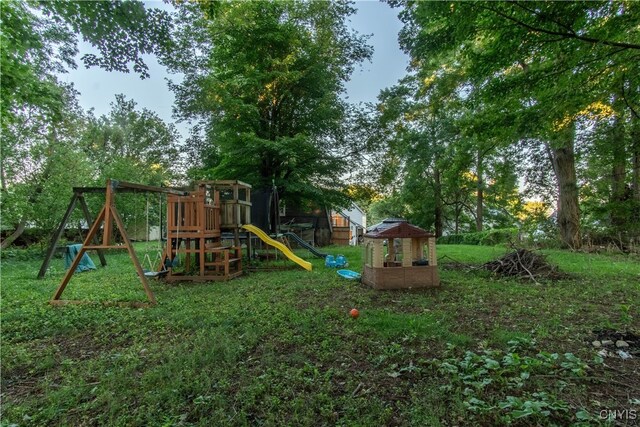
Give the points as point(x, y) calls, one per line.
point(501, 386)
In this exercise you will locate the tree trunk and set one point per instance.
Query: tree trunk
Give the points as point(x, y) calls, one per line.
point(3, 179)
point(618, 172)
point(635, 153)
point(17, 233)
point(563, 160)
point(437, 193)
point(635, 176)
point(479, 193)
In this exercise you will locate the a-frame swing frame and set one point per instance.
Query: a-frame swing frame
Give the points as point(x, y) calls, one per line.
point(78, 197)
point(106, 218)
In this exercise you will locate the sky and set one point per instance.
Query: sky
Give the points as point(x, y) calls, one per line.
point(98, 87)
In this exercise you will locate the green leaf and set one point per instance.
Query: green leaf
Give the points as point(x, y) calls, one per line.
point(583, 415)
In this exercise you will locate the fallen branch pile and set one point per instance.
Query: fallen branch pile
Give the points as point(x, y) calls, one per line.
point(524, 264)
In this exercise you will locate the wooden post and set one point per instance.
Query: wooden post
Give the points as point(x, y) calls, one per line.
point(132, 254)
point(56, 237)
point(378, 254)
point(236, 200)
point(407, 253)
point(106, 237)
point(76, 261)
point(87, 217)
point(202, 231)
point(433, 259)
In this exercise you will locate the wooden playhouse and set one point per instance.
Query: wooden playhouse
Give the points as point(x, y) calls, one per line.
point(400, 255)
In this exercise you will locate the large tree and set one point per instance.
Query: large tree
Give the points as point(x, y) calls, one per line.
point(39, 39)
point(132, 144)
point(266, 90)
point(40, 120)
point(537, 64)
point(443, 167)
point(41, 160)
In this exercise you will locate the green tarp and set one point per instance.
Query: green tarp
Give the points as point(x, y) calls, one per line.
point(86, 263)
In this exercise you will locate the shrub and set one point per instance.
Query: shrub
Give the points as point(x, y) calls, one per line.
point(486, 238)
point(31, 253)
point(451, 239)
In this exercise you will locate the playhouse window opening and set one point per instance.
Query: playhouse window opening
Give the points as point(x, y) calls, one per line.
point(393, 253)
point(368, 255)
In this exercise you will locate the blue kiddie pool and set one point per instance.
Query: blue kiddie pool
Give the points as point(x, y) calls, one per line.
point(348, 274)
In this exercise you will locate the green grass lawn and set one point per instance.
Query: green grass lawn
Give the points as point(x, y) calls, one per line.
point(279, 348)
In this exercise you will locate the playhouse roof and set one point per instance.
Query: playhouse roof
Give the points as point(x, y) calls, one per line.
point(396, 228)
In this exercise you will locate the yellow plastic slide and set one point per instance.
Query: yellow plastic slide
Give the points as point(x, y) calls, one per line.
point(280, 246)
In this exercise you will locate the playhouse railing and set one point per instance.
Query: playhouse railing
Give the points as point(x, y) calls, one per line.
point(189, 216)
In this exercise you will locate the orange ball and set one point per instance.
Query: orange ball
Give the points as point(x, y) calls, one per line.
point(354, 313)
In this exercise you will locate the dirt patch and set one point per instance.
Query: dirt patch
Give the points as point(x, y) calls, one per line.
point(20, 383)
point(79, 347)
point(618, 378)
point(448, 263)
point(613, 385)
point(30, 379)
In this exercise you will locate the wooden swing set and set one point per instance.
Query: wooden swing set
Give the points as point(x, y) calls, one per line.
point(106, 219)
point(194, 232)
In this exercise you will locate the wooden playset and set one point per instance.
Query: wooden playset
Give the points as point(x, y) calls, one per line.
point(400, 255)
point(195, 224)
point(196, 220)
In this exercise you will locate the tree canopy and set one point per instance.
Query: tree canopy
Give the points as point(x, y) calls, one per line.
point(42, 124)
point(508, 108)
point(267, 91)
point(529, 74)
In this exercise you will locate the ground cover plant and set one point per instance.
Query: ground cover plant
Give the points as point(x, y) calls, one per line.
point(279, 347)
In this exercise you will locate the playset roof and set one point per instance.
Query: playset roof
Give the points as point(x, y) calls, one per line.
point(396, 228)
